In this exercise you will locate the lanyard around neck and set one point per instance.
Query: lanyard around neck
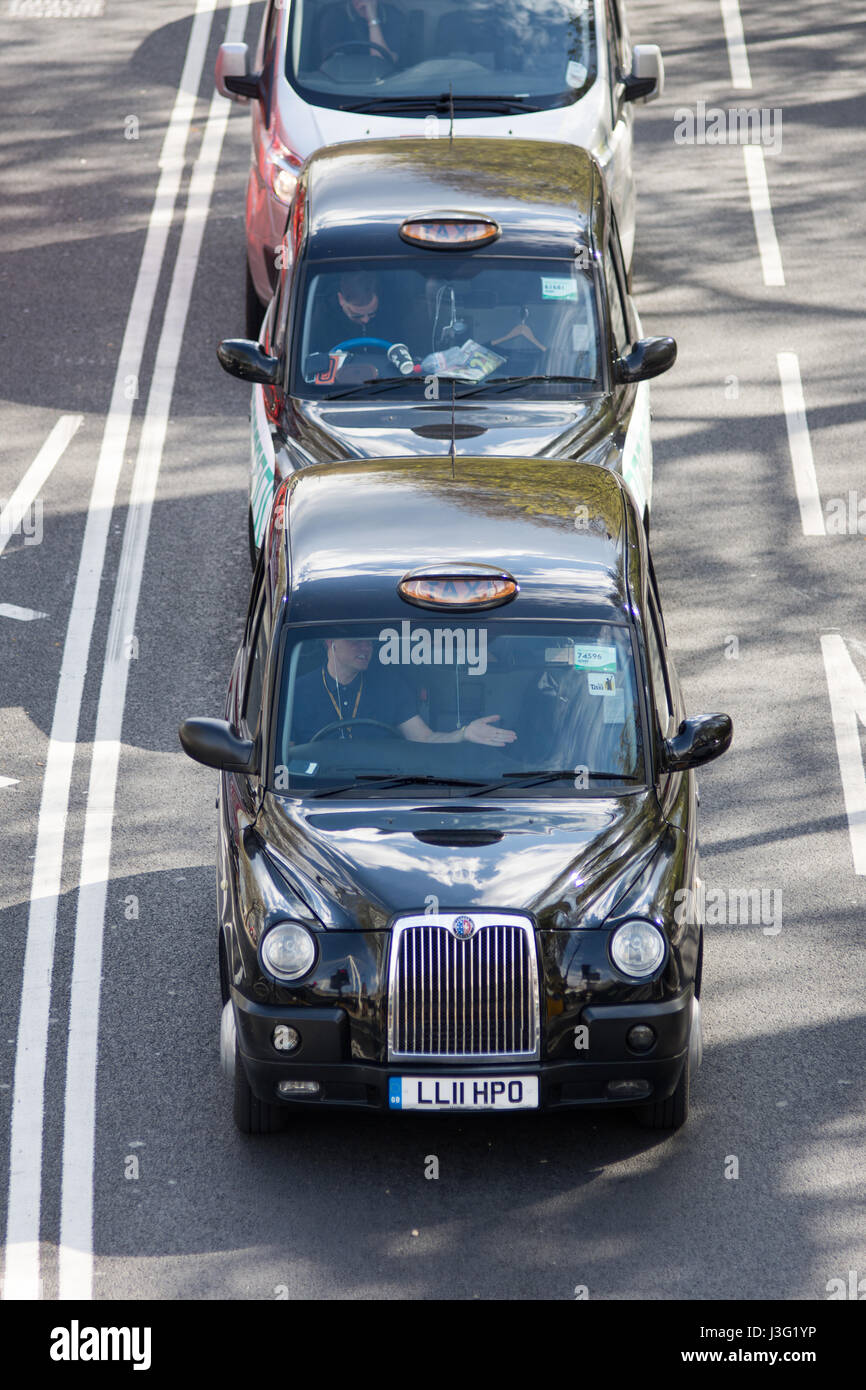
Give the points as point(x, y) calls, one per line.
point(334, 702)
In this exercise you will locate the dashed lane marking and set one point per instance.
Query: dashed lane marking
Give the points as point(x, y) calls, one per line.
point(805, 481)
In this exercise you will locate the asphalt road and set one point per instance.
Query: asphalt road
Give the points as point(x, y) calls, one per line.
point(525, 1207)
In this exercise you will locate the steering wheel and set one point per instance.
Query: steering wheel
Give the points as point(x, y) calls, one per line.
point(375, 50)
point(342, 724)
point(358, 344)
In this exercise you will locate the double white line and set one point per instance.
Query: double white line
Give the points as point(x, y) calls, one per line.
point(23, 1223)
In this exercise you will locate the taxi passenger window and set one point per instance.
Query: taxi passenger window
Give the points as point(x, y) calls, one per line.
point(256, 674)
point(659, 676)
point(616, 303)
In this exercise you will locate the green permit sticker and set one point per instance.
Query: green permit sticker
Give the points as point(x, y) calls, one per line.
point(595, 658)
point(558, 287)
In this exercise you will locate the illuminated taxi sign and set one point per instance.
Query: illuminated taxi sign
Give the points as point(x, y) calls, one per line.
point(467, 588)
point(449, 231)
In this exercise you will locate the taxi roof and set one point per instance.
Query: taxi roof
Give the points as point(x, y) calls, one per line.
point(539, 191)
point(566, 531)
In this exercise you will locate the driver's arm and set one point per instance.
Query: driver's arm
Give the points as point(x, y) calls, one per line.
point(479, 731)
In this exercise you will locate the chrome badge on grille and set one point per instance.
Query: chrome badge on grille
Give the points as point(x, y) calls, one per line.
point(463, 928)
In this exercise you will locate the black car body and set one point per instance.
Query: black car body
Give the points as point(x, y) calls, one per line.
point(398, 859)
point(509, 246)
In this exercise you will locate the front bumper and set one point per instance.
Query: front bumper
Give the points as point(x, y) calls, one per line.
point(324, 1056)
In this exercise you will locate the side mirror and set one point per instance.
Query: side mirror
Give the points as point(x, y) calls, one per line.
point(648, 358)
point(215, 743)
point(646, 81)
point(698, 741)
point(244, 359)
point(231, 77)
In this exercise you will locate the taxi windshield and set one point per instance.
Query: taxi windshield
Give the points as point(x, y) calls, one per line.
point(379, 55)
point(391, 325)
point(459, 705)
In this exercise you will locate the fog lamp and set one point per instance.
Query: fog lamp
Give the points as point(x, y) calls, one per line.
point(641, 1037)
point(628, 1089)
point(294, 1088)
point(285, 1039)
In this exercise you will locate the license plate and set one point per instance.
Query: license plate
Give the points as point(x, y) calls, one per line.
point(463, 1093)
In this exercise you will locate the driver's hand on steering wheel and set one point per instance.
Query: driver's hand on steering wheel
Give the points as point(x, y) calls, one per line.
point(369, 11)
point(482, 731)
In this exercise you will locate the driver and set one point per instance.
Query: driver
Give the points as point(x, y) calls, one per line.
point(363, 22)
point(345, 687)
point(353, 312)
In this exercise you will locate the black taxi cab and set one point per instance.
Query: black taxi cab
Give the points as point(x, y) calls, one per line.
point(435, 295)
point(458, 816)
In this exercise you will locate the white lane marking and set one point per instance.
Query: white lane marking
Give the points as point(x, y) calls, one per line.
point(22, 1279)
point(738, 57)
point(847, 704)
point(762, 212)
point(23, 615)
point(9, 781)
point(800, 445)
point(34, 479)
point(76, 1215)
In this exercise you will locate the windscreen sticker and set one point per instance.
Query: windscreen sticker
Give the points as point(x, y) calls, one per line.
point(595, 658)
point(613, 711)
point(558, 287)
point(581, 337)
point(575, 74)
point(601, 683)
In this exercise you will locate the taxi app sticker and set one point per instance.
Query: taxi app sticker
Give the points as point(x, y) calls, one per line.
point(601, 682)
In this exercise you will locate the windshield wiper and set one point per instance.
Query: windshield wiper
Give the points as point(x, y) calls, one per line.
point(531, 779)
point(442, 103)
point(373, 782)
point(512, 381)
point(385, 381)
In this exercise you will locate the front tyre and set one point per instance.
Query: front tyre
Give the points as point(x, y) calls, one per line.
point(251, 1115)
point(672, 1113)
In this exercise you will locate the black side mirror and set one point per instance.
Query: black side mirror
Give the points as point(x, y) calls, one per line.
point(244, 359)
point(698, 741)
point(247, 86)
point(215, 743)
point(648, 358)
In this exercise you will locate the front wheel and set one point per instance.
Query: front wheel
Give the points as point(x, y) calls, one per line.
point(672, 1113)
point(251, 1115)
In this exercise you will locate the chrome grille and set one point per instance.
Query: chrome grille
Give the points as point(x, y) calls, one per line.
point(463, 999)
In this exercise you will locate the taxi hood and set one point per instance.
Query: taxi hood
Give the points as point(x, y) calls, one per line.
point(568, 863)
point(493, 426)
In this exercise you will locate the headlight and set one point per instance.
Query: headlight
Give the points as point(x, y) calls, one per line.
point(283, 182)
point(288, 951)
point(637, 949)
point(283, 166)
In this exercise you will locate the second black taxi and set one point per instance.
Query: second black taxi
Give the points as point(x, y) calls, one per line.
point(417, 275)
point(458, 814)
